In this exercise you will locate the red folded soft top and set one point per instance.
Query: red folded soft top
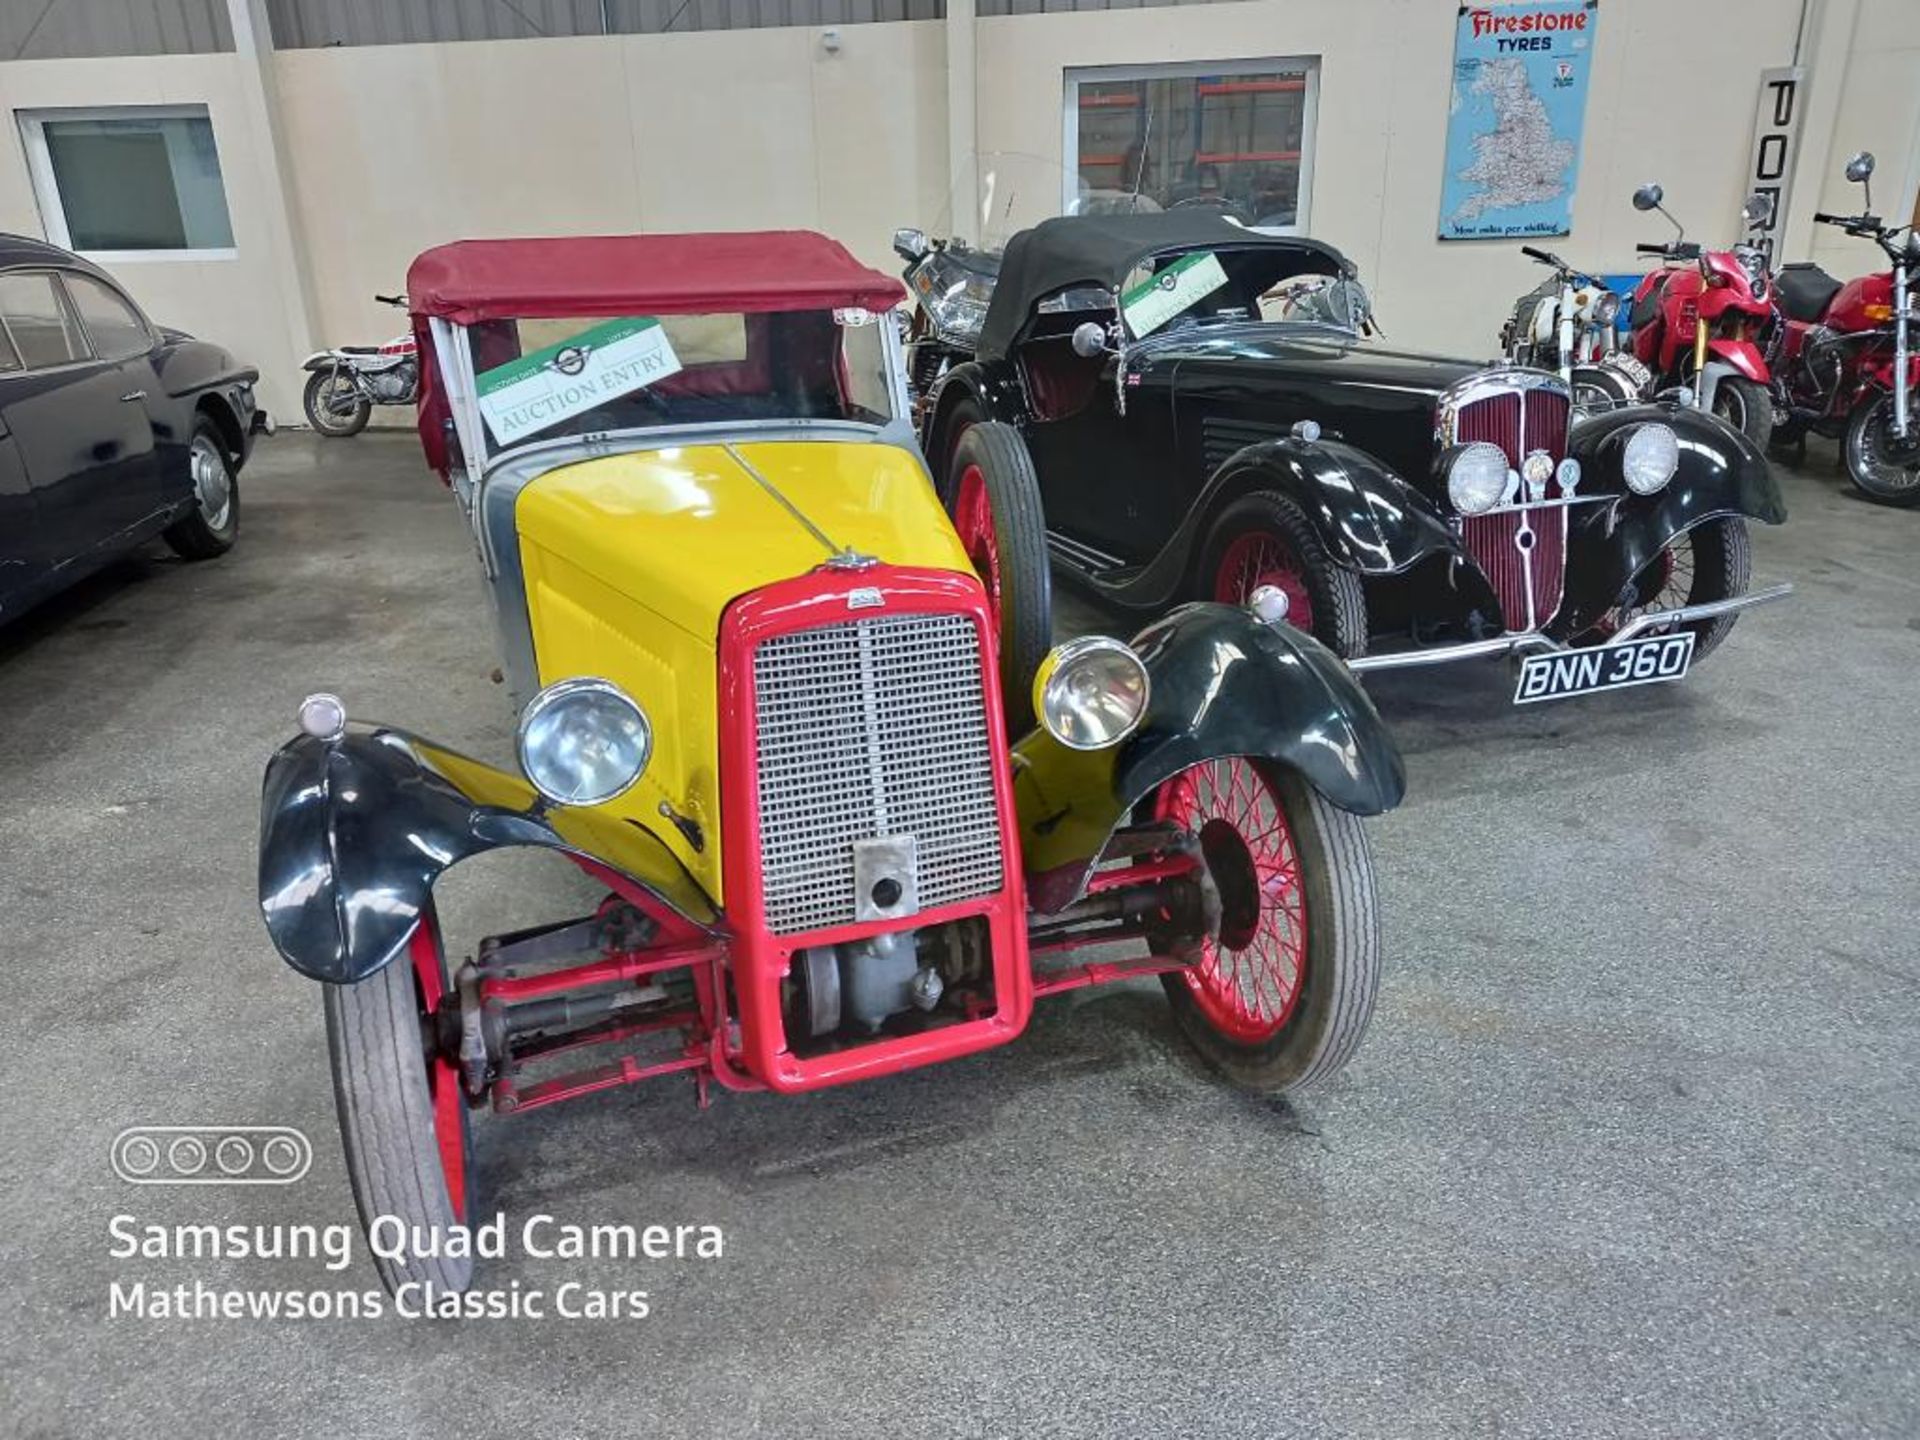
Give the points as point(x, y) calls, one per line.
point(723, 272)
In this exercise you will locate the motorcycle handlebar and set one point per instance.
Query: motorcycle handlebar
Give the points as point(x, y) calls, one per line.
point(1821, 217)
point(1541, 255)
point(1645, 249)
point(399, 300)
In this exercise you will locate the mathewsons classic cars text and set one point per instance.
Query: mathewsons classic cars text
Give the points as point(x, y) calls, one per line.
point(151, 1296)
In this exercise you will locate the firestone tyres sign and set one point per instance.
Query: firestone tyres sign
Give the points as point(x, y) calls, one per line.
point(1513, 129)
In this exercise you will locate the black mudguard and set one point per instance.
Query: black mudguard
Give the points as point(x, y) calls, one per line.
point(1721, 473)
point(354, 831)
point(1223, 684)
point(992, 390)
point(1369, 519)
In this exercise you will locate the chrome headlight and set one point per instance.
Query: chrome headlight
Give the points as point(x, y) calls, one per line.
point(1651, 456)
point(1606, 308)
point(583, 741)
point(1091, 693)
point(1477, 478)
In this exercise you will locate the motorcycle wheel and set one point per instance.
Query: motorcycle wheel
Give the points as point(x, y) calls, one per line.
point(1884, 469)
point(1279, 998)
point(1746, 406)
point(326, 405)
point(403, 1116)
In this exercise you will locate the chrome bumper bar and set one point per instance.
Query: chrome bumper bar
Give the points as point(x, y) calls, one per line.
point(1533, 640)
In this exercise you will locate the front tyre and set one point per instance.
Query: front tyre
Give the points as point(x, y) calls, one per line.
point(214, 523)
point(997, 515)
point(1266, 539)
point(334, 404)
point(1883, 467)
point(1279, 999)
point(403, 1118)
point(1712, 561)
point(1746, 406)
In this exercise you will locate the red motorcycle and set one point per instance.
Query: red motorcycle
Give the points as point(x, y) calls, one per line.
point(1846, 367)
point(1699, 320)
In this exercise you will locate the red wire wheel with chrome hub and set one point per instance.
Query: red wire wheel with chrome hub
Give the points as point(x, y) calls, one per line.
point(995, 505)
point(1712, 561)
point(403, 1115)
point(1280, 996)
point(1266, 539)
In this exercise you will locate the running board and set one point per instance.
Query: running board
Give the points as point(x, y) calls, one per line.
point(1534, 640)
point(1083, 556)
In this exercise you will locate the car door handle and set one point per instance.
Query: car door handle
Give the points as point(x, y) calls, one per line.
point(133, 395)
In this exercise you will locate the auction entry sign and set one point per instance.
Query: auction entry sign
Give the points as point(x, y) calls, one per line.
point(1513, 127)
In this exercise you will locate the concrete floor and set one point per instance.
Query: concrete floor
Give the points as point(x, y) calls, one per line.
point(1629, 1149)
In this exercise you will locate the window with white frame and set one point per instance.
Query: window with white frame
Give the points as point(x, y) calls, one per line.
point(137, 179)
point(1230, 136)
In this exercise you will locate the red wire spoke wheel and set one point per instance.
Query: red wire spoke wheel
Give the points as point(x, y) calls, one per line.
point(403, 1116)
point(995, 508)
point(973, 523)
point(1280, 996)
point(1256, 558)
point(1266, 539)
point(1248, 980)
point(1712, 561)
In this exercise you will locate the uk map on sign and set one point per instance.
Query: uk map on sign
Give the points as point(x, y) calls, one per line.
point(1513, 128)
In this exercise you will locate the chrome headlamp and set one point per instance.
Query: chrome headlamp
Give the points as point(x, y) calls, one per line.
point(1649, 458)
point(1091, 693)
point(1605, 308)
point(583, 741)
point(1478, 477)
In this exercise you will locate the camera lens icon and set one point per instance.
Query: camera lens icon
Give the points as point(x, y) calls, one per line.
point(211, 1155)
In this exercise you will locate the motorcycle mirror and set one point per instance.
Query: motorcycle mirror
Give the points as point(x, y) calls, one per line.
point(1860, 167)
point(1648, 197)
point(1089, 340)
point(1757, 211)
point(910, 245)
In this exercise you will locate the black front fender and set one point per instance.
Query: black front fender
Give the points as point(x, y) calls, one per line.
point(1721, 473)
point(354, 831)
point(1368, 517)
point(1223, 684)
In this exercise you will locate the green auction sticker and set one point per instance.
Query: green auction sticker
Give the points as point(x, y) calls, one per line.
point(546, 386)
point(1172, 291)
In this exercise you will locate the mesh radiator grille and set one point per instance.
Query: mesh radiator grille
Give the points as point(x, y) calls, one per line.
point(869, 729)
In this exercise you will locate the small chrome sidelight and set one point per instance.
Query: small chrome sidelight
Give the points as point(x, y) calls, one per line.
point(323, 716)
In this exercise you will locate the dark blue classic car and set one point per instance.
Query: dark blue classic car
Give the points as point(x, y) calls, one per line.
point(113, 431)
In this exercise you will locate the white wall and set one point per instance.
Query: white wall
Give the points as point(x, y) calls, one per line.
point(714, 130)
point(391, 149)
point(1657, 108)
point(231, 301)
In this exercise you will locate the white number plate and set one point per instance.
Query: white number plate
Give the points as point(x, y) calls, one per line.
point(1605, 667)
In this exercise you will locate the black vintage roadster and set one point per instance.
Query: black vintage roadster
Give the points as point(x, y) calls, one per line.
point(1201, 413)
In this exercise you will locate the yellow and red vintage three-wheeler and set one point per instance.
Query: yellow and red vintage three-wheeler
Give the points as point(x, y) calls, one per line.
point(763, 700)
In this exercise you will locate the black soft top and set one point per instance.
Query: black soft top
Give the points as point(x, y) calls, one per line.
point(1103, 250)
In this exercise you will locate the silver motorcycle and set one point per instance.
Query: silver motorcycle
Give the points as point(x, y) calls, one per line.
point(344, 384)
point(1567, 324)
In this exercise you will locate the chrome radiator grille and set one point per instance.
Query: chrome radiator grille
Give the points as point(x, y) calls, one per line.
point(1521, 552)
point(868, 729)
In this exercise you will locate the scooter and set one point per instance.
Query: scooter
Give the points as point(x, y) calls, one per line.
point(344, 384)
point(1844, 355)
point(1566, 324)
point(1698, 321)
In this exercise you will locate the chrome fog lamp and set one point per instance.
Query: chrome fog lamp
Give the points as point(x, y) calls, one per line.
point(1651, 456)
point(1091, 693)
point(1478, 478)
point(583, 741)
